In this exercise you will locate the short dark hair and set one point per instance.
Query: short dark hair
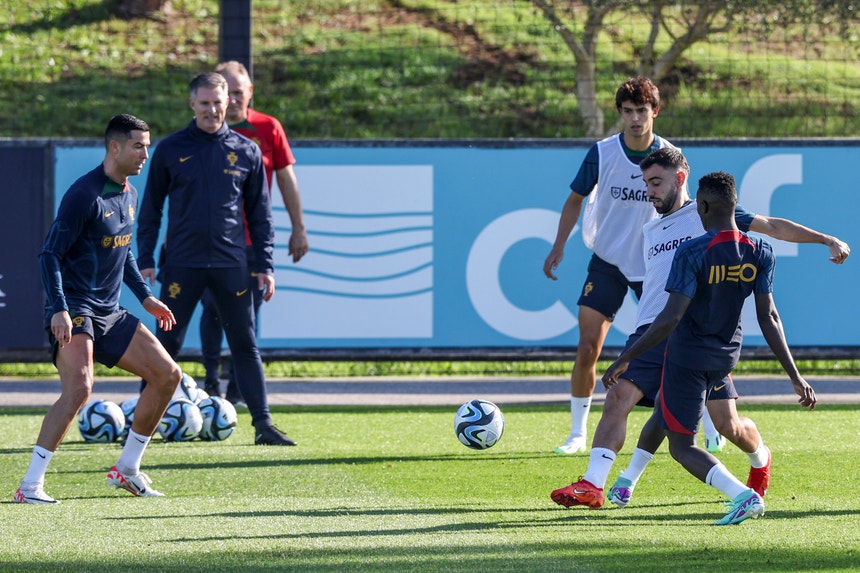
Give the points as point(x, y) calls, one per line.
point(719, 187)
point(639, 90)
point(667, 157)
point(119, 128)
point(206, 80)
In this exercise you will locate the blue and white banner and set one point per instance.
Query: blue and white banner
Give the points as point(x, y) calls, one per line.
point(443, 247)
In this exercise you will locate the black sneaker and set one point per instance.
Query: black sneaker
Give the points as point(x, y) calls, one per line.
point(271, 436)
point(212, 387)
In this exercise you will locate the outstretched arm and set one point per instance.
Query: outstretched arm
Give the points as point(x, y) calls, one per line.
point(771, 328)
point(787, 230)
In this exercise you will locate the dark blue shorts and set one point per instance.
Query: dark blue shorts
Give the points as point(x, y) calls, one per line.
point(646, 373)
point(111, 335)
point(646, 370)
point(605, 288)
point(684, 392)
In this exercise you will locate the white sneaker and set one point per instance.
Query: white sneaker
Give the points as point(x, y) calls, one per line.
point(715, 443)
point(138, 485)
point(573, 445)
point(35, 495)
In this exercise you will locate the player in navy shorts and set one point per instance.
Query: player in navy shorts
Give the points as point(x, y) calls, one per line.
point(84, 261)
point(665, 172)
point(711, 276)
point(609, 192)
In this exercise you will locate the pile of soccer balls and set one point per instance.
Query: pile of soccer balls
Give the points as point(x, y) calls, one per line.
point(191, 413)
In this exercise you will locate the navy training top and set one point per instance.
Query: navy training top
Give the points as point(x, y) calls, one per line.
point(718, 271)
point(87, 254)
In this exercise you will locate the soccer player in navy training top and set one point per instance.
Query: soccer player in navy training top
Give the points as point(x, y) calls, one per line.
point(710, 277)
point(216, 183)
point(84, 261)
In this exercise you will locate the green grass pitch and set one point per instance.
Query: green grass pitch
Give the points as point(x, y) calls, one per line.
point(391, 489)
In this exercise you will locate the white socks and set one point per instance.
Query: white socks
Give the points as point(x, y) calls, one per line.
point(708, 425)
point(758, 459)
point(38, 467)
point(599, 464)
point(579, 408)
point(720, 478)
point(638, 463)
point(132, 453)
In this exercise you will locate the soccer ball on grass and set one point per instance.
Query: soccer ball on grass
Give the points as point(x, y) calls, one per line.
point(188, 389)
point(181, 421)
point(127, 406)
point(101, 421)
point(479, 424)
point(219, 419)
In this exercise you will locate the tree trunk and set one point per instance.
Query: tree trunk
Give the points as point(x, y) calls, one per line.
point(586, 96)
point(583, 52)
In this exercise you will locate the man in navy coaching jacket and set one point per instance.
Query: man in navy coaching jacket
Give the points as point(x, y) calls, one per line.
point(213, 176)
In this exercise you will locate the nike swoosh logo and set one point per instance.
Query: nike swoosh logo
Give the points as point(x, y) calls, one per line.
point(184, 159)
point(109, 214)
point(41, 455)
point(139, 440)
point(580, 491)
point(605, 457)
point(635, 176)
point(718, 388)
point(241, 292)
point(667, 226)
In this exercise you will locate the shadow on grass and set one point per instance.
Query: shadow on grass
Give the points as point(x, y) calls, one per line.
point(536, 517)
point(579, 553)
point(60, 20)
point(594, 544)
point(258, 463)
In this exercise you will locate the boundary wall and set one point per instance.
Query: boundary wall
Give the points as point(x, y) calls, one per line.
point(433, 250)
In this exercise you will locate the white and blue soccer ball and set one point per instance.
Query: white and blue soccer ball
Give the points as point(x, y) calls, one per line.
point(101, 421)
point(189, 390)
point(219, 419)
point(479, 424)
point(127, 406)
point(201, 395)
point(181, 421)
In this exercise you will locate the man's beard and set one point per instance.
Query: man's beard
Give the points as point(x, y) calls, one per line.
point(667, 204)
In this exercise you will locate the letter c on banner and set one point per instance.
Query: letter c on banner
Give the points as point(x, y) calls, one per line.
point(761, 181)
point(482, 277)
point(757, 187)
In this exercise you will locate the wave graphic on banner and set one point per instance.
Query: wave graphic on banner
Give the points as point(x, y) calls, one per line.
point(369, 271)
point(385, 255)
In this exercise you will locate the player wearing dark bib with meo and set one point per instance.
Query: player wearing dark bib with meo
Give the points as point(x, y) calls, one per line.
point(665, 172)
point(709, 280)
